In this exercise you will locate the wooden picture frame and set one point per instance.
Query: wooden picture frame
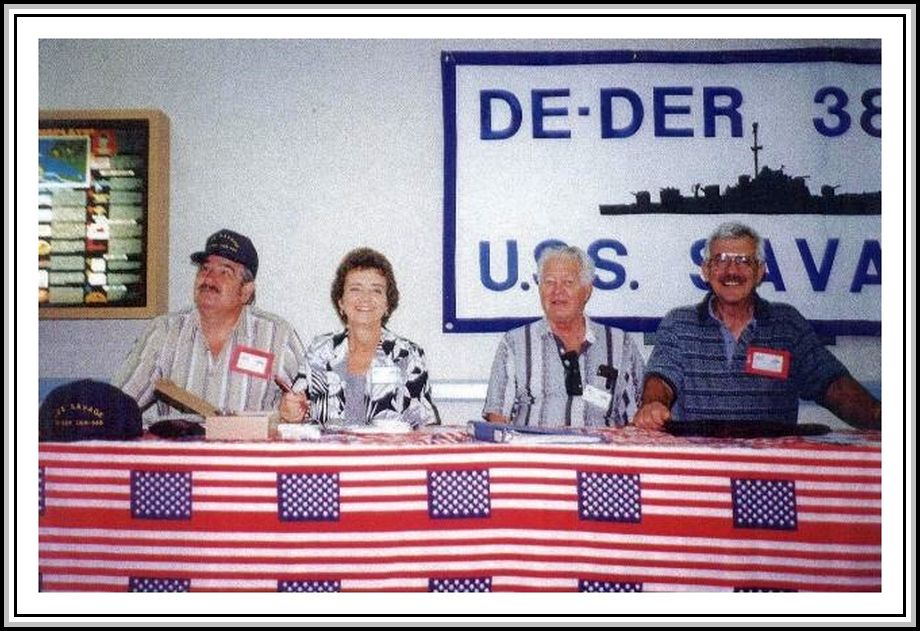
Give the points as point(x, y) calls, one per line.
point(103, 213)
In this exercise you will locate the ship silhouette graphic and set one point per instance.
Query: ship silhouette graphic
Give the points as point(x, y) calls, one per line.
point(769, 192)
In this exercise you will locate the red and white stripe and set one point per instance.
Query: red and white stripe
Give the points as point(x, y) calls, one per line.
point(532, 540)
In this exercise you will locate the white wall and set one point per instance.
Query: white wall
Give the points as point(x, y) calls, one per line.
point(311, 148)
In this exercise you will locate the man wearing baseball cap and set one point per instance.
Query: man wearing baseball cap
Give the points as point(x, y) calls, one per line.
point(224, 349)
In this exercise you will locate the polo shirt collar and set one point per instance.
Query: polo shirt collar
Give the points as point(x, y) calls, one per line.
point(762, 308)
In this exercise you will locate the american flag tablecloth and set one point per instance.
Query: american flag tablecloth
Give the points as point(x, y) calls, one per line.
point(638, 513)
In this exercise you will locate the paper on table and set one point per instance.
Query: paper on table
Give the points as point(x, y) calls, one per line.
point(298, 431)
point(553, 439)
point(384, 426)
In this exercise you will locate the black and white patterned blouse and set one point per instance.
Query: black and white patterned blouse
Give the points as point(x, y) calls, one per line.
point(396, 385)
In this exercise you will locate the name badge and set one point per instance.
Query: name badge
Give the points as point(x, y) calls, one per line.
point(385, 375)
point(251, 361)
point(596, 397)
point(767, 362)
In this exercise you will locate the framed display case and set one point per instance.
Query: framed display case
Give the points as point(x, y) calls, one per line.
point(103, 213)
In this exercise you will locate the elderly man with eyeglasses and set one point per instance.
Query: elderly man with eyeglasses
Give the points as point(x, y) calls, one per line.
point(737, 357)
point(564, 370)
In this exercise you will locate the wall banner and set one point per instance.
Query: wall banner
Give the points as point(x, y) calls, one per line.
point(636, 156)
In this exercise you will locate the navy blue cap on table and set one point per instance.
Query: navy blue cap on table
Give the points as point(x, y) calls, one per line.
point(233, 246)
point(88, 410)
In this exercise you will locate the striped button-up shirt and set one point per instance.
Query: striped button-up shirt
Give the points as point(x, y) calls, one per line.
point(527, 384)
point(174, 347)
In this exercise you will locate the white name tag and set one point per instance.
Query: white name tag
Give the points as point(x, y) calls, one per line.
point(385, 375)
point(767, 362)
point(596, 397)
point(251, 361)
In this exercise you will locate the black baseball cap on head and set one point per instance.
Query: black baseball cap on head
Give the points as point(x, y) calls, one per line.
point(233, 246)
point(88, 410)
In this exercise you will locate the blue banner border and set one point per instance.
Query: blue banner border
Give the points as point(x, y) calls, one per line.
point(451, 59)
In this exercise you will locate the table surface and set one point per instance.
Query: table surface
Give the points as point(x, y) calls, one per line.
point(434, 511)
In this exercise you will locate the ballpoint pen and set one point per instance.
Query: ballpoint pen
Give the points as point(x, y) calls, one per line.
point(284, 387)
point(288, 389)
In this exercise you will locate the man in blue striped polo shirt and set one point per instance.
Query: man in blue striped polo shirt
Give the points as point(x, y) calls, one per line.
point(737, 357)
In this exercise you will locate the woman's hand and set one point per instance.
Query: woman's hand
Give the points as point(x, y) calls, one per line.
point(294, 407)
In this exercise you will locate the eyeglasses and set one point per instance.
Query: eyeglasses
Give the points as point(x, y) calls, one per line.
point(727, 258)
point(572, 374)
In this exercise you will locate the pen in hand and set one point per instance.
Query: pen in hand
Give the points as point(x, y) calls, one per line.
point(291, 401)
